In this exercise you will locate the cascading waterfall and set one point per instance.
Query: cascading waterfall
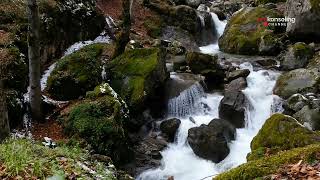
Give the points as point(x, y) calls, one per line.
point(179, 160)
point(186, 103)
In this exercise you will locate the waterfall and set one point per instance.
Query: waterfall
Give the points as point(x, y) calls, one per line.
point(187, 102)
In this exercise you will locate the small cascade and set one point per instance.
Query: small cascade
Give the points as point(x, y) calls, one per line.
point(187, 102)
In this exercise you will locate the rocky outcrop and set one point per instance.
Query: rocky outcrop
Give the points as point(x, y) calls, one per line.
point(309, 116)
point(244, 34)
point(208, 66)
point(169, 127)
point(297, 56)
point(297, 81)
point(211, 141)
point(232, 106)
point(307, 19)
point(314, 63)
point(100, 119)
point(76, 73)
point(137, 75)
point(282, 132)
point(238, 74)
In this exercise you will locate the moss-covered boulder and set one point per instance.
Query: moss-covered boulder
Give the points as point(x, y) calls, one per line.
point(307, 22)
point(258, 2)
point(244, 34)
point(206, 65)
point(99, 119)
point(268, 165)
point(283, 132)
point(297, 81)
point(136, 75)
point(297, 56)
point(76, 73)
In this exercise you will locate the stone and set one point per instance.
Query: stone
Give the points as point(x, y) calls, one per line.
point(211, 141)
point(170, 127)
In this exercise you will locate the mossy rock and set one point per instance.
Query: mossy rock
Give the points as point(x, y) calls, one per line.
point(258, 2)
point(76, 73)
point(314, 63)
point(297, 81)
point(136, 74)
point(99, 120)
point(268, 165)
point(283, 132)
point(15, 69)
point(297, 56)
point(245, 35)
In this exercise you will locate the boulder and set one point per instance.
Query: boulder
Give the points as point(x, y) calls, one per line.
point(100, 119)
point(136, 75)
point(237, 74)
point(211, 141)
point(193, 3)
point(76, 73)
point(297, 56)
point(309, 117)
point(244, 34)
point(307, 19)
point(206, 65)
point(314, 63)
point(170, 127)
point(296, 102)
point(297, 81)
point(232, 106)
point(283, 132)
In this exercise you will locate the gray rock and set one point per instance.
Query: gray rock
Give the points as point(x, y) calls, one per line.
point(309, 116)
point(237, 74)
point(211, 141)
point(170, 127)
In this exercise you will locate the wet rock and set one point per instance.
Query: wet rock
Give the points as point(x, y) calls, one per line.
point(208, 66)
point(147, 154)
point(170, 127)
point(211, 141)
point(297, 56)
point(307, 21)
point(314, 63)
point(193, 3)
point(268, 63)
point(297, 81)
point(309, 117)
point(296, 102)
point(232, 106)
point(245, 35)
point(237, 74)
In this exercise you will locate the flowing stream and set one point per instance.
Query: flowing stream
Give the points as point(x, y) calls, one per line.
point(178, 159)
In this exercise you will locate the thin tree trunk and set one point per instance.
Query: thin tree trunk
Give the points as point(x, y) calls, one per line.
point(124, 35)
point(4, 120)
point(34, 60)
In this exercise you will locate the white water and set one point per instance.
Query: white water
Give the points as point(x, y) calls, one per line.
point(179, 160)
point(220, 26)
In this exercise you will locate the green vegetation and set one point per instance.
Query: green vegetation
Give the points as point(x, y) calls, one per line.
point(258, 2)
point(99, 120)
point(23, 158)
point(76, 73)
point(268, 165)
point(302, 50)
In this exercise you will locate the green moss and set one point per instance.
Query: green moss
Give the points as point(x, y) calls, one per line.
point(243, 33)
point(268, 165)
point(258, 2)
point(99, 120)
point(30, 160)
point(130, 73)
point(284, 132)
point(315, 4)
point(302, 50)
point(76, 73)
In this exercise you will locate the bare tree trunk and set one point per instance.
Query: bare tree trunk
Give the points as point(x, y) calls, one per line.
point(34, 60)
point(124, 36)
point(4, 120)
